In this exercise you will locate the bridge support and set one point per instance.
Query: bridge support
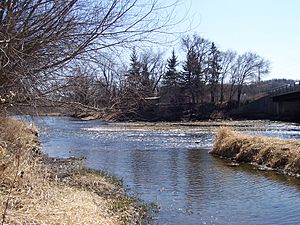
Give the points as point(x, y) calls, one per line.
point(288, 109)
point(267, 108)
point(280, 104)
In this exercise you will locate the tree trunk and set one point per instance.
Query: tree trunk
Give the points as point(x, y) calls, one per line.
point(222, 90)
point(239, 95)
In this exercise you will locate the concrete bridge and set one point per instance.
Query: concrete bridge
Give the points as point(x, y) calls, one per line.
point(282, 103)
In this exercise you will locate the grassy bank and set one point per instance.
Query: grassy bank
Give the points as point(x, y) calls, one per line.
point(278, 154)
point(35, 189)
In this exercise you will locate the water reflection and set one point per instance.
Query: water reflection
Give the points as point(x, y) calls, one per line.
point(254, 171)
point(173, 169)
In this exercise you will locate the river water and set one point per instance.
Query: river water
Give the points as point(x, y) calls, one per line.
point(169, 164)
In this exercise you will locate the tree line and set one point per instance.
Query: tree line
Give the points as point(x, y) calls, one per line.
point(211, 75)
point(74, 51)
point(204, 75)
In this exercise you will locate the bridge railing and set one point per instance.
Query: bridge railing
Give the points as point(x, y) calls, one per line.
point(285, 89)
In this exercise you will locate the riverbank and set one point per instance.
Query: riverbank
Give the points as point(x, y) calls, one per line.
point(266, 153)
point(149, 112)
point(42, 190)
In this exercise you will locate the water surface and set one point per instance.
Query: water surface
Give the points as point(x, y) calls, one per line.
point(171, 167)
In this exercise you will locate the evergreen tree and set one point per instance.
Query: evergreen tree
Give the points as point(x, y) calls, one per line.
point(213, 70)
point(192, 76)
point(134, 72)
point(138, 78)
point(171, 77)
point(135, 65)
point(191, 67)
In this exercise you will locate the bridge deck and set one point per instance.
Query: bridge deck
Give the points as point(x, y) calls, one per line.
point(285, 90)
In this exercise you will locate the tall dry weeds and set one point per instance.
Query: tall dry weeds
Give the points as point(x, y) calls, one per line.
point(17, 145)
point(279, 154)
point(30, 195)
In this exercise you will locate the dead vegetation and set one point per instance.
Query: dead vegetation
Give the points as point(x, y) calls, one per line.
point(278, 154)
point(33, 192)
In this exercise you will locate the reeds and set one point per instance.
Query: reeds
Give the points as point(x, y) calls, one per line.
point(279, 154)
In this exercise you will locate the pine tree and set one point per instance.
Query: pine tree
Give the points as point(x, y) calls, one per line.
point(138, 78)
point(134, 72)
point(135, 65)
point(191, 67)
point(213, 70)
point(171, 77)
point(192, 75)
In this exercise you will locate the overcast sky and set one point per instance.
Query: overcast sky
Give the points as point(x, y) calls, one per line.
point(271, 28)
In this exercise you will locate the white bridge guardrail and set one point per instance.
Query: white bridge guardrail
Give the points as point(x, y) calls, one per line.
point(285, 89)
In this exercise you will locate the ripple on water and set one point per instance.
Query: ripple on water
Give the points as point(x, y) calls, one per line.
point(170, 167)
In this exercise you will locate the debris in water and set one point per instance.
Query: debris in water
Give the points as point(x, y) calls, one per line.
point(162, 189)
point(233, 164)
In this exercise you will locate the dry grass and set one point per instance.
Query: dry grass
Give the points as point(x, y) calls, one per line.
point(30, 195)
point(278, 154)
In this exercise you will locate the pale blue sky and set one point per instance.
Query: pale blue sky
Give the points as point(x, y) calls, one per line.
point(271, 28)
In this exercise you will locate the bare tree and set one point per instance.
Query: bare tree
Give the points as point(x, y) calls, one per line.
point(153, 66)
point(247, 68)
point(39, 36)
point(227, 63)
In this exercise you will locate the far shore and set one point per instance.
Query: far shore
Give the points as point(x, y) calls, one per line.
point(86, 115)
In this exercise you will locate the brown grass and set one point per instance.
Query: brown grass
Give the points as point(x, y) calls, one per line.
point(279, 154)
point(30, 195)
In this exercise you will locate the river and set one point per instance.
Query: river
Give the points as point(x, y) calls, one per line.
point(169, 165)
